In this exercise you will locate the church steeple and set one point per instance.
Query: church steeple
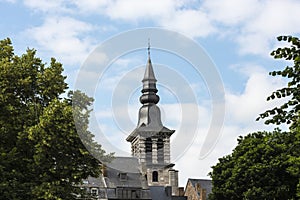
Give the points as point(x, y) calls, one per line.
point(149, 113)
point(150, 140)
point(149, 126)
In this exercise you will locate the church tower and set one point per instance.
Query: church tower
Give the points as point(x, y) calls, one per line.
point(150, 140)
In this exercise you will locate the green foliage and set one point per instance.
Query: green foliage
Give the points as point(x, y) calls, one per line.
point(41, 154)
point(289, 112)
point(262, 166)
point(266, 165)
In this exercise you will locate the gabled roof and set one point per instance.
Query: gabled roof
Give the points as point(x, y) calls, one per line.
point(204, 183)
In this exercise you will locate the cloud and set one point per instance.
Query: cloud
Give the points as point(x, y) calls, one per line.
point(53, 6)
point(274, 18)
point(193, 23)
point(190, 162)
point(65, 37)
point(245, 107)
point(277, 17)
point(136, 10)
point(112, 139)
point(169, 14)
point(231, 12)
point(91, 6)
point(176, 15)
point(9, 1)
point(252, 24)
point(241, 112)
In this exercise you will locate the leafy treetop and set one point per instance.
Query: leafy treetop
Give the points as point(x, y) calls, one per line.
point(41, 154)
point(289, 112)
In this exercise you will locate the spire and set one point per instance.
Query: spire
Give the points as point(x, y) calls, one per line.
point(149, 118)
point(149, 73)
point(149, 90)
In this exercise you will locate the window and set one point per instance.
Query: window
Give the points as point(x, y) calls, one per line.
point(155, 176)
point(123, 176)
point(94, 191)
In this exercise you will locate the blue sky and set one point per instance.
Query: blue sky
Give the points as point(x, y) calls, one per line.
point(236, 35)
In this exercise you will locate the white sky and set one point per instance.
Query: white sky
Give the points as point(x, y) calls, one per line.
point(237, 36)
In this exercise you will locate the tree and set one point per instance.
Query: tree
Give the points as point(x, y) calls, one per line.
point(289, 112)
point(265, 165)
point(294, 156)
point(41, 154)
point(259, 168)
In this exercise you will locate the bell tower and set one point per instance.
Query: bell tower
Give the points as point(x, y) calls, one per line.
point(150, 140)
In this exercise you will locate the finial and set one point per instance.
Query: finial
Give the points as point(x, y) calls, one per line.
point(149, 47)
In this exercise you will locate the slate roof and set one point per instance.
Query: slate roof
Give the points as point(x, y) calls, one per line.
point(125, 164)
point(128, 165)
point(94, 182)
point(135, 179)
point(164, 193)
point(149, 131)
point(159, 192)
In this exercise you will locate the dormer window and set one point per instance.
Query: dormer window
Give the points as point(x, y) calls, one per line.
point(94, 191)
point(123, 176)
